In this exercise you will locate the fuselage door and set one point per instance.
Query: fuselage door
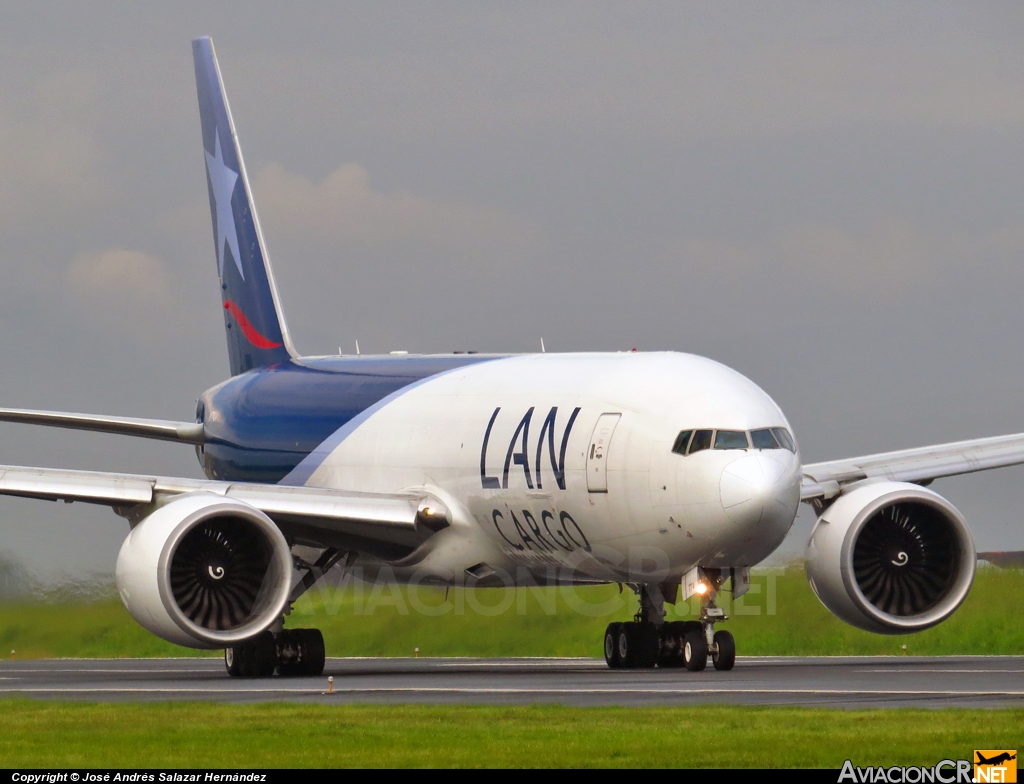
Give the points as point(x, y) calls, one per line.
point(597, 456)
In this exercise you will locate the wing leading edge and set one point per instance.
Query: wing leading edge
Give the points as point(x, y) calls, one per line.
point(824, 481)
point(369, 522)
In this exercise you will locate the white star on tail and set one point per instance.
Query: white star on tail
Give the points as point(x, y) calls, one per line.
point(223, 180)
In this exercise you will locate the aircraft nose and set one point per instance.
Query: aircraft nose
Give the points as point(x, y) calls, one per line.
point(759, 485)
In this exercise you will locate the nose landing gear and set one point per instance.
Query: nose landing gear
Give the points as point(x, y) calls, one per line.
point(649, 641)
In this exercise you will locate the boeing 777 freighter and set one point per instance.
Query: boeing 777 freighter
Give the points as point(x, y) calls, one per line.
point(665, 471)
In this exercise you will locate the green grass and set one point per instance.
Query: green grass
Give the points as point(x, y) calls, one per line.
point(276, 735)
point(779, 616)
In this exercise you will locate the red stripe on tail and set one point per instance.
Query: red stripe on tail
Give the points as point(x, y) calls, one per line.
point(248, 329)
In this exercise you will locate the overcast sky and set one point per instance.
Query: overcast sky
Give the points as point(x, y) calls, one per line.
point(828, 197)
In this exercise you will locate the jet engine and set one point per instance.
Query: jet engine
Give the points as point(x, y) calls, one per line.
point(891, 558)
point(205, 571)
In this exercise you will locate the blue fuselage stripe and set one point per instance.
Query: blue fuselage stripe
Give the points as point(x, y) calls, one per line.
point(279, 423)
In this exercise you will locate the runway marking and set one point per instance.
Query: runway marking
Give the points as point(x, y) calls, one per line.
point(89, 671)
point(498, 690)
point(531, 665)
point(916, 670)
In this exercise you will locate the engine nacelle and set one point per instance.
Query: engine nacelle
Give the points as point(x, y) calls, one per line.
point(205, 571)
point(891, 558)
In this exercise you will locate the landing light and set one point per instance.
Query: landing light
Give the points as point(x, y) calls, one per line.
point(432, 514)
point(701, 588)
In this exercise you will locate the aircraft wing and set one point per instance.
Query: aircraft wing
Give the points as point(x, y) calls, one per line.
point(823, 481)
point(369, 522)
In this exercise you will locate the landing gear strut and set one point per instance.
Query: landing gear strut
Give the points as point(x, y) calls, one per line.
point(290, 652)
point(637, 644)
point(649, 640)
point(720, 645)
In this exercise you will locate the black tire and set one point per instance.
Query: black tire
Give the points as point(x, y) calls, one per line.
point(626, 645)
point(611, 646)
point(300, 652)
point(233, 658)
point(724, 656)
point(695, 650)
point(670, 653)
point(264, 655)
point(314, 653)
point(638, 645)
point(252, 658)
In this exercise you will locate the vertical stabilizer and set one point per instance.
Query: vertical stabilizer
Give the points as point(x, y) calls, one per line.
point(256, 330)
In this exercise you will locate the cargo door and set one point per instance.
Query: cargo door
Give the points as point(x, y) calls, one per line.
point(597, 454)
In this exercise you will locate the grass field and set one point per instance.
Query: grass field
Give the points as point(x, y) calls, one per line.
point(276, 735)
point(779, 616)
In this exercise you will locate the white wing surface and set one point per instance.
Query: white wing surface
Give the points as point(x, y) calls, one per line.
point(311, 515)
point(822, 481)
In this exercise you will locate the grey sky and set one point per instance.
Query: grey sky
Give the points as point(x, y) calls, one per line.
point(827, 197)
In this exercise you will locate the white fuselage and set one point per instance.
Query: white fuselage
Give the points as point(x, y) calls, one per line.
point(614, 504)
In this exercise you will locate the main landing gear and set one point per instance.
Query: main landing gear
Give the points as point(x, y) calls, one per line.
point(650, 641)
point(289, 652)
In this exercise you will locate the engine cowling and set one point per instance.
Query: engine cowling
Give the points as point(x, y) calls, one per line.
point(891, 558)
point(205, 571)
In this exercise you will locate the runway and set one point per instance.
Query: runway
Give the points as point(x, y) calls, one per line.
point(848, 682)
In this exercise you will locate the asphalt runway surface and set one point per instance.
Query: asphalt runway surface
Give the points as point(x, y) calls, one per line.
point(848, 682)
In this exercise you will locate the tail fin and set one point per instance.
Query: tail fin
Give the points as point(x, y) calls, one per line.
point(256, 330)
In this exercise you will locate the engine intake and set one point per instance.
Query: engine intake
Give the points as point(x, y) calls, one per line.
point(891, 557)
point(217, 571)
point(205, 571)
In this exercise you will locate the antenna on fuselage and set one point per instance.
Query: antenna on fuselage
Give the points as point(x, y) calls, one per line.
point(357, 348)
point(542, 349)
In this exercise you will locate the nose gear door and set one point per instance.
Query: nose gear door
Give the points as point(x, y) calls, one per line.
point(597, 454)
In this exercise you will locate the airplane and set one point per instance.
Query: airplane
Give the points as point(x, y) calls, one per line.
point(996, 760)
point(664, 471)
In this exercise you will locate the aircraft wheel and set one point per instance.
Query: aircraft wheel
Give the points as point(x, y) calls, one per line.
point(313, 649)
point(254, 658)
point(611, 646)
point(724, 656)
point(300, 652)
point(264, 655)
point(638, 645)
point(233, 661)
point(695, 650)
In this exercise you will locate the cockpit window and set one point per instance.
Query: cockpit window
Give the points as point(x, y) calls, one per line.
point(731, 439)
point(701, 440)
point(679, 447)
point(763, 439)
point(784, 438)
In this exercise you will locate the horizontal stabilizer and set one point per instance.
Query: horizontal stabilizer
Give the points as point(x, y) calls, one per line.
point(162, 429)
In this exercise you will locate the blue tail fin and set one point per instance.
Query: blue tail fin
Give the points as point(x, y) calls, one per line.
point(256, 331)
